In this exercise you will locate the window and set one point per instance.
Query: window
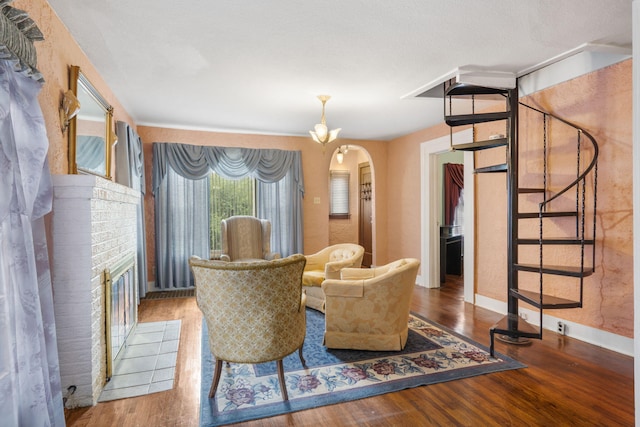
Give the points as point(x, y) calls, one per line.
point(228, 197)
point(339, 187)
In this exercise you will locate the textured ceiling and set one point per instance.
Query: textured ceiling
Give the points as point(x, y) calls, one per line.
point(257, 66)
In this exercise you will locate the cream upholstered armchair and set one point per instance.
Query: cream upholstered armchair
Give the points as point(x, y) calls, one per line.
point(326, 264)
point(368, 309)
point(254, 311)
point(245, 238)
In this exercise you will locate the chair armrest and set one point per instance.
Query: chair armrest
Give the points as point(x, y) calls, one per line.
point(314, 262)
point(343, 288)
point(332, 269)
point(384, 269)
point(356, 273)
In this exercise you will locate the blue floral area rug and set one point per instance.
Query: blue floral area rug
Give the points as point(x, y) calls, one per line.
point(433, 354)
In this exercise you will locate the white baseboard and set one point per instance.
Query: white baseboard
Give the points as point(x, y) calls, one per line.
point(608, 340)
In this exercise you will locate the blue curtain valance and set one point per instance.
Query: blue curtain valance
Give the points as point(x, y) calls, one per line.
point(196, 162)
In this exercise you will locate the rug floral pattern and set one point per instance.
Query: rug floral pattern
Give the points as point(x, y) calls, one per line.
point(240, 387)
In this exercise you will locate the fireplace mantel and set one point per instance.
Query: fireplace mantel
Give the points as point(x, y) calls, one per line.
point(93, 228)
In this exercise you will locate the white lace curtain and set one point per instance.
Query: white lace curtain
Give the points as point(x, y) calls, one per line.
point(30, 393)
point(180, 188)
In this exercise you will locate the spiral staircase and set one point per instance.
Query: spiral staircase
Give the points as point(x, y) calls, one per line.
point(551, 208)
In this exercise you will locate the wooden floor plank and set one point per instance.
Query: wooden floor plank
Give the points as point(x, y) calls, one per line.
point(566, 382)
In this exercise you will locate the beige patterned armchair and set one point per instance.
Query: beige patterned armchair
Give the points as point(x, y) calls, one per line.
point(254, 311)
point(368, 309)
point(326, 264)
point(245, 238)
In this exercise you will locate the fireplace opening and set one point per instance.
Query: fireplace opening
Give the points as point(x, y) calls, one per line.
point(121, 314)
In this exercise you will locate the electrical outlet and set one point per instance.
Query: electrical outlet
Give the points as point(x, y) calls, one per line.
point(562, 328)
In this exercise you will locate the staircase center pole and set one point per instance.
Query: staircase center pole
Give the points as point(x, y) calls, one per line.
point(512, 209)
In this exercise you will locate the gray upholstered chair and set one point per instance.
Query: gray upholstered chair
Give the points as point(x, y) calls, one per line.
point(368, 308)
point(246, 238)
point(254, 311)
point(326, 264)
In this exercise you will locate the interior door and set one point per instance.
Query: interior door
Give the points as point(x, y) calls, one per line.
point(365, 215)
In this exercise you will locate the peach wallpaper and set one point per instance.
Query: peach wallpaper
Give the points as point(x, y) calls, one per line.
point(55, 54)
point(404, 198)
point(601, 101)
point(315, 166)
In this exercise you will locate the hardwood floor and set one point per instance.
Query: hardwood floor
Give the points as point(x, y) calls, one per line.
point(566, 382)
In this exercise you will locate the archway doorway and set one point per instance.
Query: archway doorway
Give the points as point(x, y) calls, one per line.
point(358, 226)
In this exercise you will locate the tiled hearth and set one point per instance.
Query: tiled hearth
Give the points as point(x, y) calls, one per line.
point(148, 364)
point(93, 228)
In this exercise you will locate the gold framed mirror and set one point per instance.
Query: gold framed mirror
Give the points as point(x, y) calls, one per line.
point(91, 134)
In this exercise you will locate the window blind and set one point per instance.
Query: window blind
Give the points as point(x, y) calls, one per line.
point(339, 192)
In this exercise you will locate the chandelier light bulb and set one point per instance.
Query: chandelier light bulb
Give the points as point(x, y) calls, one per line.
point(321, 133)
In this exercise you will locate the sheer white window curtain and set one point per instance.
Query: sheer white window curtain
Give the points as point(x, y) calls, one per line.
point(30, 393)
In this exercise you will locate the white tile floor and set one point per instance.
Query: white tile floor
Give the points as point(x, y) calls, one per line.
point(148, 364)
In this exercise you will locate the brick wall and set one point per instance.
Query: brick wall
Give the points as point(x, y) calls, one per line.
point(93, 228)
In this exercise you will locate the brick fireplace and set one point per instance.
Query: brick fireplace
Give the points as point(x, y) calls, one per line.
point(93, 230)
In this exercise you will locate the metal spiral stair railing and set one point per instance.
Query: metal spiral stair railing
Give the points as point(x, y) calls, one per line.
point(514, 328)
point(580, 184)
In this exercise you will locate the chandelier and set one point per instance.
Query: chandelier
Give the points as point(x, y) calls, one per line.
point(342, 150)
point(321, 134)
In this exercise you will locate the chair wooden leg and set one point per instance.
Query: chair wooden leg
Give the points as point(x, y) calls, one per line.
point(283, 385)
point(216, 378)
point(304, 362)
